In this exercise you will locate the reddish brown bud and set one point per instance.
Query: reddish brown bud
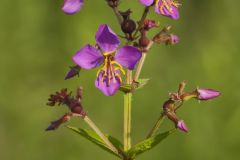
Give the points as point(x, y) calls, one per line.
point(128, 25)
point(59, 98)
point(143, 40)
point(164, 37)
point(149, 24)
point(55, 124)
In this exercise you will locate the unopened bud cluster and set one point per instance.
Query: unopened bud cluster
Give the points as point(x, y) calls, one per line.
point(64, 97)
point(176, 101)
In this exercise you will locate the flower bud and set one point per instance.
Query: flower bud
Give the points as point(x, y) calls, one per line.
point(59, 98)
point(206, 94)
point(55, 124)
point(173, 39)
point(149, 24)
point(128, 26)
point(182, 126)
point(74, 71)
point(72, 6)
point(143, 40)
point(166, 38)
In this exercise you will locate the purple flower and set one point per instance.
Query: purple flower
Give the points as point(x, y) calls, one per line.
point(182, 126)
point(167, 8)
point(72, 6)
point(110, 57)
point(207, 94)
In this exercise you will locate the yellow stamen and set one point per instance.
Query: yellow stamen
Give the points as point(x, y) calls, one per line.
point(119, 66)
point(168, 5)
point(119, 76)
point(109, 69)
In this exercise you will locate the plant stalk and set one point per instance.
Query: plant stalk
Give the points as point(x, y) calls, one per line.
point(144, 16)
point(100, 134)
point(118, 15)
point(127, 114)
point(127, 121)
point(157, 125)
point(141, 63)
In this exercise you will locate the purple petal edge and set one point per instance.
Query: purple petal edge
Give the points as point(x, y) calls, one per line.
point(106, 38)
point(128, 56)
point(182, 126)
point(146, 2)
point(88, 57)
point(108, 90)
point(72, 6)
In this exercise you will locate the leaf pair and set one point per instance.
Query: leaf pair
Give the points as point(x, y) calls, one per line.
point(136, 150)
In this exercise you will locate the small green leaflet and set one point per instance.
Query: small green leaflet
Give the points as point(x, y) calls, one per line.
point(141, 83)
point(148, 144)
point(135, 85)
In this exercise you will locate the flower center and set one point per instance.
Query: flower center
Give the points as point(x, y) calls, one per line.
point(110, 69)
point(168, 4)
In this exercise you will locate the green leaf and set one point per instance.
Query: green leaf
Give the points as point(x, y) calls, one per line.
point(94, 138)
point(115, 142)
point(141, 83)
point(148, 144)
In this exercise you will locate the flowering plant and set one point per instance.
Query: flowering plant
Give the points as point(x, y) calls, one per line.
point(119, 67)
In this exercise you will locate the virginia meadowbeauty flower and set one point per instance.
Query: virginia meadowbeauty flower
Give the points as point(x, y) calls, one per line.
point(110, 57)
point(167, 8)
point(72, 6)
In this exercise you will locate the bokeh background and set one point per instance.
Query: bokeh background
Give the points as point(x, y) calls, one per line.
point(37, 41)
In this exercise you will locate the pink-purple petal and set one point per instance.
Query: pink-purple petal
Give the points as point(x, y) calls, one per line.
point(207, 94)
point(88, 57)
point(182, 126)
point(128, 56)
point(174, 14)
point(72, 6)
point(146, 2)
point(106, 38)
point(108, 89)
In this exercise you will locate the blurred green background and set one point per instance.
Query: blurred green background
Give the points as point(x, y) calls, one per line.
point(36, 44)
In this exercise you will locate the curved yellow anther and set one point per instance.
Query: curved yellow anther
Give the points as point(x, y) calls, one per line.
point(119, 76)
point(168, 5)
point(120, 69)
point(109, 69)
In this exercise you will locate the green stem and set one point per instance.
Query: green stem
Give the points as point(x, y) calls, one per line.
point(100, 134)
point(141, 63)
point(118, 15)
point(157, 125)
point(127, 121)
point(144, 16)
point(179, 105)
